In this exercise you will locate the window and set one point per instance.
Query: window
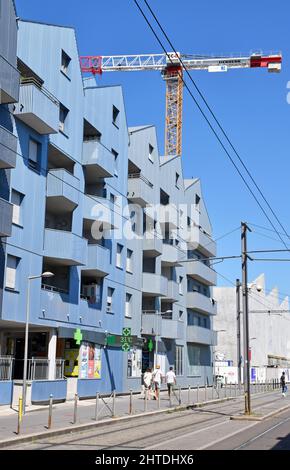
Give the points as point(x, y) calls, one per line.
point(128, 306)
point(65, 63)
point(34, 154)
point(151, 150)
point(110, 295)
point(116, 113)
point(179, 360)
point(197, 202)
point(16, 199)
point(180, 285)
point(177, 180)
point(63, 114)
point(180, 315)
point(11, 270)
point(119, 256)
point(193, 352)
point(115, 154)
point(113, 198)
point(129, 261)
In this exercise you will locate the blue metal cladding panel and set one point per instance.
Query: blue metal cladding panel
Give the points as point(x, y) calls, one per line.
point(42, 389)
point(6, 391)
point(8, 148)
point(5, 218)
point(87, 388)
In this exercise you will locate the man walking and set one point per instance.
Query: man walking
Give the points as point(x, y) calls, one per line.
point(170, 380)
point(283, 384)
point(157, 379)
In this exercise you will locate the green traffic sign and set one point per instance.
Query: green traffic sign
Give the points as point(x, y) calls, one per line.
point(78, 336)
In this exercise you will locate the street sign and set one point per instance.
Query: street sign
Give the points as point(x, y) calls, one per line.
point(111, 340)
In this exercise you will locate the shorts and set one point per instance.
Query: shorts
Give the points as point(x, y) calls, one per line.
point(157, 385)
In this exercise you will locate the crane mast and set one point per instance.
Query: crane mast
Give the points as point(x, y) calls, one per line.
point(171, 66)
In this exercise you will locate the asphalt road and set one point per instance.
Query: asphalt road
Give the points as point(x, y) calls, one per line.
point(205, 428)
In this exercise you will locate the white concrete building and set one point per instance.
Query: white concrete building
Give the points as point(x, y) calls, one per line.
point(269, 327)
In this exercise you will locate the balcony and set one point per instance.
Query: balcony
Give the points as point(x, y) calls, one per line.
point(152, 244)
point(199, 240)
point(8, 149)
point(99, 209)
point(9, 83)
point(37, 108)
point(171, 254)
point(140, 190)
point(98, 161)
point(98, 263)
point(201, 272)
point(172, 292)
point(5, 218)
point(154, 285)
point(55, 303)
point(201, 303)
point(65, 248)
point(197, 334)
point(62, 190)
point(154, 324)
point(168, 215)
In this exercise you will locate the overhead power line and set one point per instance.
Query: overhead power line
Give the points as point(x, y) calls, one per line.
point(215, 119)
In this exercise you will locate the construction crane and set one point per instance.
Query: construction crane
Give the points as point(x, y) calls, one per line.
point(171, 66)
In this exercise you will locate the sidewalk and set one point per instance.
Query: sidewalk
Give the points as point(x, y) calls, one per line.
point(36, 419)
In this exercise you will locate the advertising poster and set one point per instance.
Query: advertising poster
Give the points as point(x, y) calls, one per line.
point(97, 369)
point(84, 356)
point(91, 361)
point(71, 365)
point(135, 363)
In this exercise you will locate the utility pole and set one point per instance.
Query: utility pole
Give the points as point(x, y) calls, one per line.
point(238, 306)
point(247, 378)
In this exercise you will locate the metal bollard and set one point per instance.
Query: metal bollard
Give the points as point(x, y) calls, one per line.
point(205, 392)
point(97, 407)
point(50, 412)
point(145, 400)
point(170, 399)
point(235, 390)
point(197, 393)
point(131, 402)
point(114, 404)
point(75, 409)
point(230, 389)
point(158, 398)
point(19, 417)
point(179, 396)
point(212, 392)
point(188, 397)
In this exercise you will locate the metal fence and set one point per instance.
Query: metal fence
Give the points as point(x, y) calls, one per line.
point(6, 367)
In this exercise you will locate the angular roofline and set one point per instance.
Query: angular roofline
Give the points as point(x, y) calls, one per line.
point(46, 24)
point(134, 129)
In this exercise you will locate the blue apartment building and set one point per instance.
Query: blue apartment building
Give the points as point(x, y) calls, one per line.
point(79, 191)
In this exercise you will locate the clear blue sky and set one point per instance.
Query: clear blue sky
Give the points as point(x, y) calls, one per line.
point(251, 104)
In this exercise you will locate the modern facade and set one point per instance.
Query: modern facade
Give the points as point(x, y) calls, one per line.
point(269, 327)
point(124, 235)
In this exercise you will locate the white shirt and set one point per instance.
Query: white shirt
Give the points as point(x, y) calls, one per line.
point(170, 377)
point(147, 378)
point(157, 376)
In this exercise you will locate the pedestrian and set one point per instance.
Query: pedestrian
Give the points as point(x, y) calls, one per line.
point(157, 379)
point(283, 384)
point(170, 380)
point(147, 380)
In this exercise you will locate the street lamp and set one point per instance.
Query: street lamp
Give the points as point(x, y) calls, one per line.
point(157, 313)
point(30, 278)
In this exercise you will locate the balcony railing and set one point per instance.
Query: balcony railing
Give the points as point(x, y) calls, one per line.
point(6, 367)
